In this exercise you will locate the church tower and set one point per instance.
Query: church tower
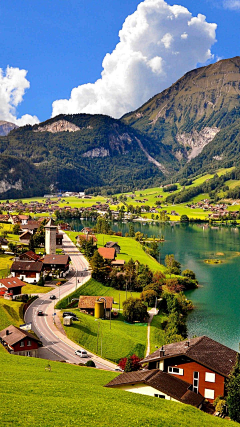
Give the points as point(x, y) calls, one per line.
point(50, 237)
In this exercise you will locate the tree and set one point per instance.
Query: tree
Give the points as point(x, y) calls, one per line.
point(190, 274)
point(16, 229)
point(149, 296)
point(134, 310)
point(173, 266)
point(31, 244)
point(99, 269)
point(131, 231)
point(130, 363)
point(233, 389)
point(184, 218)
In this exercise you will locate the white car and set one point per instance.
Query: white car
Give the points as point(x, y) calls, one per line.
point(81, 353)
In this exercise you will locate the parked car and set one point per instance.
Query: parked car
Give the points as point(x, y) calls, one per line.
point(69, 313)
point(40, 313)
point(81, 353)
point(52, 296)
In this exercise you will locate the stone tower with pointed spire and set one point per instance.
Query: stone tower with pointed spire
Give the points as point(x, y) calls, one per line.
point(50, 237)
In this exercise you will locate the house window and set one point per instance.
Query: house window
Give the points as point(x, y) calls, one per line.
point(29, 343)
point(160, 396)
point(208, 393)
point(173, 370)
point(195, 381)
point(209, 377)
point(22, 344)
point(29, 353)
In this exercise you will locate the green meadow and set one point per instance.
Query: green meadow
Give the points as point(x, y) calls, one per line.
point(70, 395)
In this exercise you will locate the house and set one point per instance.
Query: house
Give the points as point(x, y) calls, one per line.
point(31, 226)
point(59, 239)
point(118, 263)
point(28, 271)
point(25, 237)
point(202, 362)
point(57, 262)
point(87, 237)
point(113, 245)
point(29, 256)
point(19, 342)
point(158, 384)
point(23, 219)
point(107, 253)
point(11, 285)
point(87, 304)
point(3, 243)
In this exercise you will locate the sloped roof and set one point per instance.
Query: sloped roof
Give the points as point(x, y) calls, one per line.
point(56, 259)
point(12, 282)
point(51, 224)
point(118, 262)
point(111, 244)
point(161, 381)
point(35, 266)
point(88, 301)
point(203, 350)
point(31, 255)
point(15, 335)
point(107, 253)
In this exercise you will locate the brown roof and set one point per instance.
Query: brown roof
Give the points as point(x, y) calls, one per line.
point(161, 381)
point(111, 244)
point(50, 224)
point(87, 237)
point(25, 234)
point(118, 262)
point(15, 335)
point(203, 350)
point(107, 253)
point(35, 266)
point(31, 225)
point(86, 301)
point(30, 255)
point(56, 259)
point(12, 282)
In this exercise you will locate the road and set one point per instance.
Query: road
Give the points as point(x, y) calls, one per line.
point(56, 346)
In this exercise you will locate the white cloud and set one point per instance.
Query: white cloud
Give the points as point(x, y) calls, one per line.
point(13, 84)
point(231, 4)
point(158, 44)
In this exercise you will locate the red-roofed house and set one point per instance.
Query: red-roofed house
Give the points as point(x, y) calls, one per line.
point(19, 342)
point(107, 253)
point(11, 285)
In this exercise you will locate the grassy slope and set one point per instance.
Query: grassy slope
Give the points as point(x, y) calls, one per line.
point(10, 314)
point(75, 396)
point(119, 341)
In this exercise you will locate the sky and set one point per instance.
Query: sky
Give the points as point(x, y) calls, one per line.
point(105, 57)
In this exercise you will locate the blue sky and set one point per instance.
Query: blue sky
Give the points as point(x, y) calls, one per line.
point(61, 45)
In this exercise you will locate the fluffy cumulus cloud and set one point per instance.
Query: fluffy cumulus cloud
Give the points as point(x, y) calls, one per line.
point(13, 84)
point(231, 4)
point(158, 44)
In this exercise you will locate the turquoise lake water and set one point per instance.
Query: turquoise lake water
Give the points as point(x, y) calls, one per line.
point(217, 300)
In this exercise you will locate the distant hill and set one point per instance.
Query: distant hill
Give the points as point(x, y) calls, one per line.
point(75, 152)
point(198, 117)
point(6, 127)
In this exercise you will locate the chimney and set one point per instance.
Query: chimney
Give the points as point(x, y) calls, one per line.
point(186, 343)
point(7, 332)
point(162, 351)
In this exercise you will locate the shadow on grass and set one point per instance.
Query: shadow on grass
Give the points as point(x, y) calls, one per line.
point(84, 329)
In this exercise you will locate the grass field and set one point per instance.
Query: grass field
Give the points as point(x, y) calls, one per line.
point(130, 248)
point(74, 396)
point(35, 289)
point(156, 332)
point(5, 264)
point(119, 341)
point(10, 314)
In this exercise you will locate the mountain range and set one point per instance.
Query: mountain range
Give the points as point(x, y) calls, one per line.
point(186, 130)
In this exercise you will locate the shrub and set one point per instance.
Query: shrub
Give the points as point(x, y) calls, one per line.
point(91, 364)
point(149, 296)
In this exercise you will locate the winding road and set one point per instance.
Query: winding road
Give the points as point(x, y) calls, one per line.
point(56, 345)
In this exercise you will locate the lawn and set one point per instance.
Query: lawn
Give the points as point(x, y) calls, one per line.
point(5, 264)
point(119, 341)
point(130, 248)
point(35, 289)
point(157, 335)
point(70, 395)
point(10, 314)
point(92, 287)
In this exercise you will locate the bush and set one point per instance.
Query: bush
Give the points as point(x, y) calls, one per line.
point(91, 364)
point(149, 296)
point(130, 363)
point(134, 310)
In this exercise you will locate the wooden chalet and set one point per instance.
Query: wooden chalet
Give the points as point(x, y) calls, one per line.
point(202, 362)
point(19, 342)
point(107, 253)
point(11, 286)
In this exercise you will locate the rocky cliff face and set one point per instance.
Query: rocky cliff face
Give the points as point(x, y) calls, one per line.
point(195, 141)
point(6, 127)
point(58, 126)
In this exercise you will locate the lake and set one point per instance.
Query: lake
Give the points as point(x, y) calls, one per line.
point(216, 301)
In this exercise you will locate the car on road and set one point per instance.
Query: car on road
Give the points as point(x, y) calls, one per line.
point(40, 313)
point(52, 296)
point(118, 369)
point(81, 353)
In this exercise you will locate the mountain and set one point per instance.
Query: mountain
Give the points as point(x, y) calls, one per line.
point(6, 127)
point(198, 117)
point(75, 152)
